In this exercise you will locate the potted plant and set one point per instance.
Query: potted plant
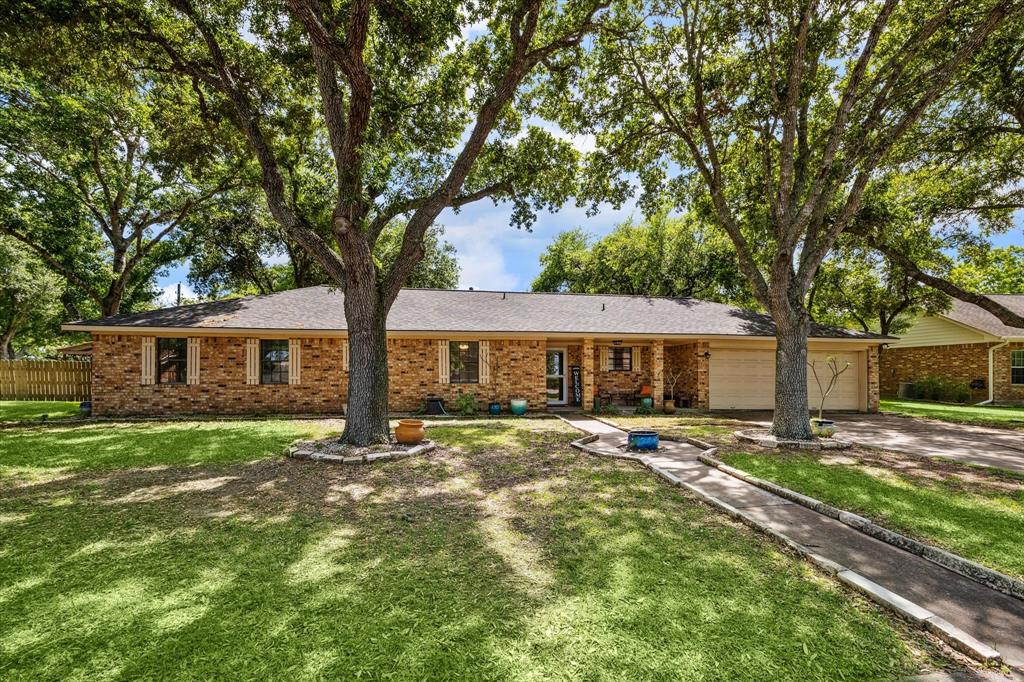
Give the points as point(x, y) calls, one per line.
point(494, 405)
point(517, 406)
point(673, 378)
point(821, 427)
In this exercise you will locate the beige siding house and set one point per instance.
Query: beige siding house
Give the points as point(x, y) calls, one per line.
point(966, 344)
point(288, 353)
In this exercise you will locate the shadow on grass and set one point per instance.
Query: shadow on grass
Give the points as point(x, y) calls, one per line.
point(107, 446)
point(443, 567)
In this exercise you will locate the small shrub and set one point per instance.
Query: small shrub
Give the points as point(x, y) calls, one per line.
point(465, 404)
point(644, 410)
point(942, 390)
point(605, 409)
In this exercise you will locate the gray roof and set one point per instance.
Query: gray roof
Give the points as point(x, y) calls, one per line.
point(982, 320)
point(439, 310)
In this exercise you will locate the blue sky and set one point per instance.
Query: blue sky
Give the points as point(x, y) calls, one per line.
point(493, 255)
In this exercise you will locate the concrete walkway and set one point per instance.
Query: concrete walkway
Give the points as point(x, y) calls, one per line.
point(922, 437)
point(991, 617)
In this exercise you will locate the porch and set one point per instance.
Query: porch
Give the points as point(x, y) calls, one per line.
point(620, 372)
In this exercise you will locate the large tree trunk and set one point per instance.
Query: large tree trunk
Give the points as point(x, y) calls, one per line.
point(366, 420)
point(5, 344)
point(791, 407)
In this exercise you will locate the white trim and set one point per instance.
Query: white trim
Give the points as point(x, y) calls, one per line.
point(599, 338)
point(634, 359)
point(564, 376)
point(344, 355)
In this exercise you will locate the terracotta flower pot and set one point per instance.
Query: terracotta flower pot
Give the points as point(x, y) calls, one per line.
point(409, 431)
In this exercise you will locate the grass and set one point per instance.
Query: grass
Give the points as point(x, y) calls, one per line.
point(41, 452)
point(987, 415)
point(502, 555)
point(707, 427)
point(26, 410)
point(973, 512)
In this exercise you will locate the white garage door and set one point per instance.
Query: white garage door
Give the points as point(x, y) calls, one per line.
point(846, 394)
point(745, 380)
point(742, 379)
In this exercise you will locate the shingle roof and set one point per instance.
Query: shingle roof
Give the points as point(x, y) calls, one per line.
point(973, 316)
point(438, 310)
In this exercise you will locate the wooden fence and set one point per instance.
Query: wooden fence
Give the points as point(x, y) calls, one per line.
point(44, 380)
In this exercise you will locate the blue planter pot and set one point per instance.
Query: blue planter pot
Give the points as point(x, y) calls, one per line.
point(640, 439)
point(494, 408)
point(518, 406)
point(647, 402)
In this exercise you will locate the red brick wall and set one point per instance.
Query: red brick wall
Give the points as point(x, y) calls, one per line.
point(621, 383)
point(517, 371)
point(1005, 391)
point(958, 362)
point(116, 369)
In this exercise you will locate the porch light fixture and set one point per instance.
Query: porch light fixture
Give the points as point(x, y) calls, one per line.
point(617, 342)
point(706, 354)
point(463, 346)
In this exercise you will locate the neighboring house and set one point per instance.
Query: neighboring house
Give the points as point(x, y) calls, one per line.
point(288, 353)
point(966, 344)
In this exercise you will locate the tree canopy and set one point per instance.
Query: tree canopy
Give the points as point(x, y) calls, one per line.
point(661, 256)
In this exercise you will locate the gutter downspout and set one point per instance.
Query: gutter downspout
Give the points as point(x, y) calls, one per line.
point(992, 372)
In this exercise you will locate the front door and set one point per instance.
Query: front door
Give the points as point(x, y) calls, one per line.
point(556, 376)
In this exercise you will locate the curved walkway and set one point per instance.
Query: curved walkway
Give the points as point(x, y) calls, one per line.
point(993, 618)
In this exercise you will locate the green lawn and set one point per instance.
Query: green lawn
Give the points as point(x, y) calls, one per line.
point(1012, 417)
point(22, 410)
point(978, 514)
point(695, 426)
point(506, 555)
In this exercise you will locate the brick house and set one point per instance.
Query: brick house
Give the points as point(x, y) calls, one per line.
point(966, 344)
point(288, 353)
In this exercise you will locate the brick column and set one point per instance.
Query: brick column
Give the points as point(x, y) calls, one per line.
point(587, 351)
point(873, 382)
point(703, 377)
point(658, 373)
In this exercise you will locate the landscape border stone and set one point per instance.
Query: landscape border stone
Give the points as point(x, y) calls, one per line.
point(982, 574)
point(304, 451)
point(765, 439)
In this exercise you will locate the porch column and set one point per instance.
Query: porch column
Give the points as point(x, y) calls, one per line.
point(703, 376)
point(658, 373)
point(587, 351)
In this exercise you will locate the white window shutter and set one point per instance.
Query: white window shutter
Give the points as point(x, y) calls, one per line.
point(252, 361)
point(604, 352)
point(148, 369)
point(192, 361)
point(635, 358)
point(294, 361)
point(485, 362)
point(444, 375)
point(344, 355)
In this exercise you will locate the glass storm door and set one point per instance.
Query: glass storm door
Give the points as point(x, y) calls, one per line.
point(556, 376)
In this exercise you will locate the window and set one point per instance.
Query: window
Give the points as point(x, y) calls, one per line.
point(171, 359)
point(620, 359)
point(274, 361)
point(464, 362)
point(1017, 367)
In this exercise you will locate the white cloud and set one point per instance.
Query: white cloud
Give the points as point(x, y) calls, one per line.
point(169, 294)
point(481, 254)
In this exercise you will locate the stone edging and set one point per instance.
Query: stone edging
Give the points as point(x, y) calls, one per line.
point(954, 562)
point(302, 451)
point(946, 631)
point(754, 436)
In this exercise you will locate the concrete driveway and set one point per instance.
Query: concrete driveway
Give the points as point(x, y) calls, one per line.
point(927, 438)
